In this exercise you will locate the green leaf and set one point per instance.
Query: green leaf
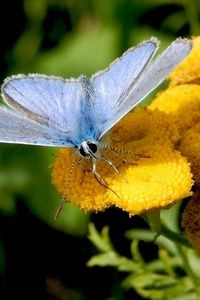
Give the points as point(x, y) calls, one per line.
point(100, 240)
point(104, 260)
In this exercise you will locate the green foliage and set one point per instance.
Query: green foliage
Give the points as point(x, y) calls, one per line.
point(174, 274)
point(69, 38)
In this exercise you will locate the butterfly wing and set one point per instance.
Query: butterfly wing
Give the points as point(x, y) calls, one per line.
point(15, 128)
point(112, 84)
point(58, 105)
point(50, 101)
point(129, 79)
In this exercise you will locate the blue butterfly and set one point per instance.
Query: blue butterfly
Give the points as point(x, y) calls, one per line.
point(52, 111)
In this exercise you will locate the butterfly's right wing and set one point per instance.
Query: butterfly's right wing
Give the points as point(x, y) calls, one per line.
point(17, 129)
point(129, 79)
point(112, 84)
point(153, 75)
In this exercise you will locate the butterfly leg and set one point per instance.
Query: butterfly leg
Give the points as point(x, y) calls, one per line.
point(94, 171)
point(99, 178)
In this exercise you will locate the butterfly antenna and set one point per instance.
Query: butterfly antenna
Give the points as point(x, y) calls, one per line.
point(66, 184)
point(119, 150)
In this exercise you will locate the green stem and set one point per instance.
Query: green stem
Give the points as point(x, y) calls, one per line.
point(174, 236)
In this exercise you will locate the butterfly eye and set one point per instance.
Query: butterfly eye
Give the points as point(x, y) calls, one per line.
point(93, 147)
point(88, 149)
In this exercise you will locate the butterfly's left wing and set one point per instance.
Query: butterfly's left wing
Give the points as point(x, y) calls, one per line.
point(51, 101)
point(17, 129)
point(120, 88)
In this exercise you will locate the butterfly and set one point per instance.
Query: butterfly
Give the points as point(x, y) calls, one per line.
point(52, 111)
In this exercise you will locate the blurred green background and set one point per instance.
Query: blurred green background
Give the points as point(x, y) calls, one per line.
point(40, 257)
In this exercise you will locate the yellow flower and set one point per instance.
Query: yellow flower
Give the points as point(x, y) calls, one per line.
point(190, 148)
point(151, 175)
point(181, 101)
point(191, 222)
point(182, 104)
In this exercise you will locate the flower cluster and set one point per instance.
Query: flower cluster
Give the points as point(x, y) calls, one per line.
point(187, 76)
point(156, 151)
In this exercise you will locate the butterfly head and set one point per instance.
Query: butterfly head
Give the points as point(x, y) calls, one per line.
point(89, 149)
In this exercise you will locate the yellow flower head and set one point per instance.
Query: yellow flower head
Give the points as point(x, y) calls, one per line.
point(182, 104)
point(151, 174)
point(184, 92)
point(181, 101)
point(191, 222)
point(190, 148)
